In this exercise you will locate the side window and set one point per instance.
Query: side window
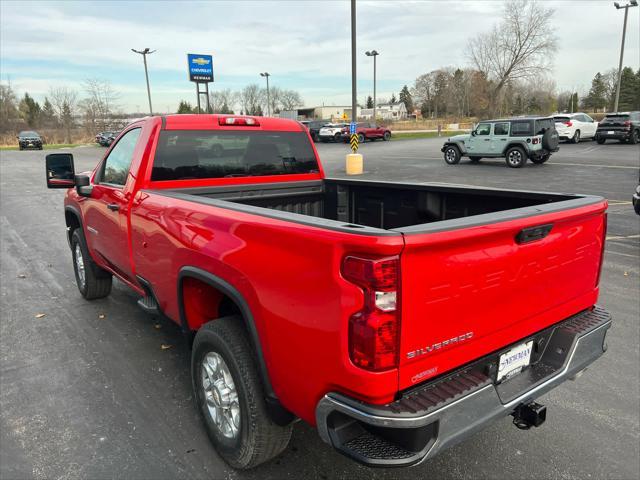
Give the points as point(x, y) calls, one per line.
point(521, 129)
point(116, 166)
point(483, 129)
point(501, 129)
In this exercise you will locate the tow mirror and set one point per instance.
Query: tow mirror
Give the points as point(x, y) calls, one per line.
point(60, 170)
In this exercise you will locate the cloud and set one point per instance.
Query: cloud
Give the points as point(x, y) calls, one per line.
point(304, 45)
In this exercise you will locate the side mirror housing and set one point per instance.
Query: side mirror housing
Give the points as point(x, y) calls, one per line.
point(60, 170)
point(83, 185)
point(473, 133)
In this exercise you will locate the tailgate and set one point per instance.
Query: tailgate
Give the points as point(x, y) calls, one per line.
point(470, 291)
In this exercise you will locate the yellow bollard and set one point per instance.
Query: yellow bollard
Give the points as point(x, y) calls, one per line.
point(354, 164)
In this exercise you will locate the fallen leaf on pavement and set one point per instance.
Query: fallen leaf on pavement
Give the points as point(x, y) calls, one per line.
point(101, 316)
point(626, 274)
point(40, 315)
point(164, 346)
point(22, 275)
point(157, 326)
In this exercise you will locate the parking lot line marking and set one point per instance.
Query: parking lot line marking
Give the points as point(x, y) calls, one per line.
point(623, 254)
point(592, 165)
point(622, 237)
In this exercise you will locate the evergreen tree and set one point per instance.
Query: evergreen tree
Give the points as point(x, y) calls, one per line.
point(48, 115)
point(184, 107)
point(407, 99)
point(629, 90)
point(573, 104)
point(369, 102)
point(67, 120)
point(393, 98)
point(30, 110)
point(597, 97)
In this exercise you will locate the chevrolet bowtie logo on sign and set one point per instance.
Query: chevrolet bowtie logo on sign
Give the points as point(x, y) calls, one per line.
point(200, 68)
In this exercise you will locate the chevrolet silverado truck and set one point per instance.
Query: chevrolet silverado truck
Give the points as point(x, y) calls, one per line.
point(396, 318)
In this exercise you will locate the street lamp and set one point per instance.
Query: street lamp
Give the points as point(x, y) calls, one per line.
point(632, 3)
point(373, 54)
point(144, 54)
point(267, 75)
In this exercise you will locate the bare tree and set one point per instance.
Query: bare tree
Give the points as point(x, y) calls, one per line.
point(64, 102)
point(290, 99)
point(223, 101)
point(100, 103)
point(8, 108)
point(422, 91)
point(251, 99)
point(520, 47)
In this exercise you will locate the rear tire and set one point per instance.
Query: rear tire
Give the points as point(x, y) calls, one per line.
point(600, 140)
point(93, 281)
point(635, 137)
point(361, 138)
point(516, 157)
point(475, 159)
point(452, 155)
point(245, 437)
point(337, 137)
point(576, 137)
point(387, 136)
point(540, 160)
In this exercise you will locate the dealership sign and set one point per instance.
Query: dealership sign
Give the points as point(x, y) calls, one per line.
point(200, 68)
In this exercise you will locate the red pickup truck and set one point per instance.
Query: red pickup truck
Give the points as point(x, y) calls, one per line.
point(397, 318)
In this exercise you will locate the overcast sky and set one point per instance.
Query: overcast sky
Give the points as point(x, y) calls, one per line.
point(305, 45)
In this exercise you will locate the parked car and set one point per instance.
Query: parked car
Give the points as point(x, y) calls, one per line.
point(397, 318)
point(620, 126)
point(367, 131)
point(331, 132)
point(515, 139)
point(314, 127)
point(105, 139)
point(575, 126)
point(29, 139)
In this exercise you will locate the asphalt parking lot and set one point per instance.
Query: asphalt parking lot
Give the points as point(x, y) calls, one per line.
point(102, 390)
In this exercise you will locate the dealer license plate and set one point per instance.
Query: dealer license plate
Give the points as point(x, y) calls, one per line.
point(610, 132)
point(512, 362)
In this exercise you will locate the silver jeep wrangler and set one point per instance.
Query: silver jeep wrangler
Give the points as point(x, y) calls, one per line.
point(514, 139)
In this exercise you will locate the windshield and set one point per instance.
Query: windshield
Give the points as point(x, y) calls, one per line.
point(28, 133)
point(615, 118)
point(189, 154)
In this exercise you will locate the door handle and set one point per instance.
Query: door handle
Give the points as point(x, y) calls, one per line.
point(114, 207)
point(532, 234)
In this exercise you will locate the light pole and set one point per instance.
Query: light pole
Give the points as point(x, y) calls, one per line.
point(632, 3)
point(267, 75)
point(144, 54)
point(373, 54)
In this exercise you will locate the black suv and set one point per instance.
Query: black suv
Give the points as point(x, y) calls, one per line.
point(314, 127)
point(623, 126)
point(29, 139)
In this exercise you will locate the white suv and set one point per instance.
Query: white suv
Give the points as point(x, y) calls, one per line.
point(574, 126)
point(332, 132)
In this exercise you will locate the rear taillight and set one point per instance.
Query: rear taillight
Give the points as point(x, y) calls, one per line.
point(568, 123)
point(238, 121)
point(374, 331)
point(535, 140)
point(604, 241)
point(627, 124)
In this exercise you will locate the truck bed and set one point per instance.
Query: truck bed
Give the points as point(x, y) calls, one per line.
point(370, 206)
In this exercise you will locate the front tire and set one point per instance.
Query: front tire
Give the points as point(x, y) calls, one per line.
point(361, 138)
point(452, 155)
point(337, 137)
point(230, 397)
point(387, 136)
point(475, 159)
point(635, 137)
point(93, 281)
point(516, 157)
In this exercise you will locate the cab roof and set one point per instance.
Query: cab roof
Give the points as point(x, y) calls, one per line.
point(212, 122)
